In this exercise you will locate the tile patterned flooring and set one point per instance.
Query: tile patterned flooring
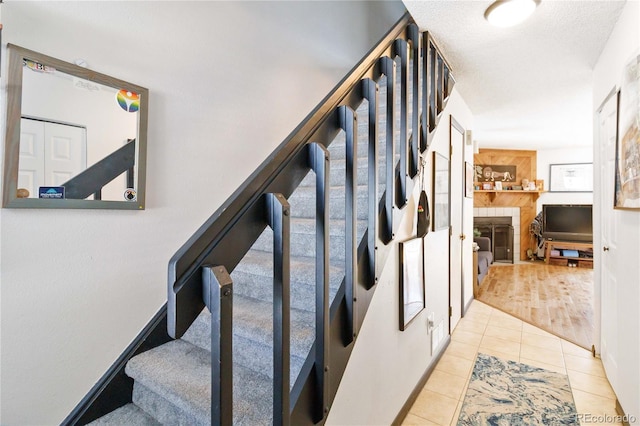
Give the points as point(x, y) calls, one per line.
point(493, 332)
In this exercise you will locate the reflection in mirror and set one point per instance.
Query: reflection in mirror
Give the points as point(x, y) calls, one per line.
point(75, 138)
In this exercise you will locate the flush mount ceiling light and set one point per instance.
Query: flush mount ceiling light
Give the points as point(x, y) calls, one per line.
point(507, 13)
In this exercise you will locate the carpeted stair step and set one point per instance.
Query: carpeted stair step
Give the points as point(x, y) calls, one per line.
point(303, 202)
point(250, 349)
point(173, 382)
point(253, 277)
point(130, 415)
point(303, 236)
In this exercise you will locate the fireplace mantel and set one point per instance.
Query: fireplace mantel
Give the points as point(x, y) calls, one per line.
point(494, 193)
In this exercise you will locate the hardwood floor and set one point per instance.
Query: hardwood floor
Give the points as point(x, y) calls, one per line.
point(557, 299)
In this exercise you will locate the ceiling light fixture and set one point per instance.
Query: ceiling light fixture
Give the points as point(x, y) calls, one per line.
point(507, 13)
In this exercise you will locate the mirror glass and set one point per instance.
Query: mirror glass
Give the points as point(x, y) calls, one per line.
point(75, 138)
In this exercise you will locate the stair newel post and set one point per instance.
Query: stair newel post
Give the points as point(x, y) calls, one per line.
point(370, 92)
point(401, 49)
point(217, 289)
point(387, 66)
point(319, 162)
point(348, 124)
point(413, 34)
point(278, 217)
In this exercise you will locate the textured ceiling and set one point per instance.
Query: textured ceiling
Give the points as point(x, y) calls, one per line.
point(529, 86)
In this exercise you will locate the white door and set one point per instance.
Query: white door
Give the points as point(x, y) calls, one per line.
point(31, 157)
point(606, 300)
point(456, 284)
point(50, 154)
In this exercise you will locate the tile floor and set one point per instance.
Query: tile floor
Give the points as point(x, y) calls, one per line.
point(490, 331)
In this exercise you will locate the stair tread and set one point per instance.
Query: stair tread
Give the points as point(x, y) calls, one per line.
point(305, 225)
point(180, 373)
point(252, 320)
point(303, 269)
point(334, 192)
point(129, 414)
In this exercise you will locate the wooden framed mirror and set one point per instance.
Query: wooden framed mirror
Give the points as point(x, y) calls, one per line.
point(75, 138)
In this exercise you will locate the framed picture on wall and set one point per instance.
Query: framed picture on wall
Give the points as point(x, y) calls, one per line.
point(441, 185)
point(412, 293)
point(576, 177)
point(627, 166)
point(469, 174)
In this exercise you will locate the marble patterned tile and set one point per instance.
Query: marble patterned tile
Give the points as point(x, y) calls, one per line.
point(592, 366)
point(593, 384)
point(504, 333)
point(528, 328)
point(462, 350)
point(509, 393)
point(446, 384)
point(413, 420)
point(554, 357)
point(588, 403)
point(457, 366)
point(466, 337)
point(471, 326)
point(544, 342)
point(573, 349)
point(505, 321)
point(502, 345)
point(434, 407)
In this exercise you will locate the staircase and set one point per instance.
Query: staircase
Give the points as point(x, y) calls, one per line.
point(301, 275)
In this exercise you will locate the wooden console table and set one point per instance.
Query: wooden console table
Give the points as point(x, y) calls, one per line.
point(582, 262)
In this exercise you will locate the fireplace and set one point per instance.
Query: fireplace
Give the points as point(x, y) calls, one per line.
point(500, 230)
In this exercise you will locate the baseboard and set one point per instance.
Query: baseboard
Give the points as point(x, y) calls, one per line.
point(423, 381)
point(115, 388)
point(624, 418)
point(466, 307)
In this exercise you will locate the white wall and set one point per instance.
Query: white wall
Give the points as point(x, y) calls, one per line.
point(386, 363)
point(228, 82)
point(622, 46)
point(562, 156)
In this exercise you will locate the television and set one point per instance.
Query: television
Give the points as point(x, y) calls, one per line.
point(567, 222)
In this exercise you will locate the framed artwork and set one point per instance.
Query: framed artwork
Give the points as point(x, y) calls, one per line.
point(627, 167)
point(495, 173)
point(469, 175)
point(440, 197)
point(576, 177)
point(412, 294)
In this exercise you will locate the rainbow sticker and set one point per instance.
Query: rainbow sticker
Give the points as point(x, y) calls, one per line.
point(128, 101)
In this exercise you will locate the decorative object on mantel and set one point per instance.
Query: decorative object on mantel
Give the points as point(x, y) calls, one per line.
point(498, 186)
point(487, 187)
point(627, 176)
point(493, 173)
point(576, 177)
point(525, 184)
point(539, 184)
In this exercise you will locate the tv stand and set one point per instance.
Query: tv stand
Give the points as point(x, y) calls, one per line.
point(581, 262)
